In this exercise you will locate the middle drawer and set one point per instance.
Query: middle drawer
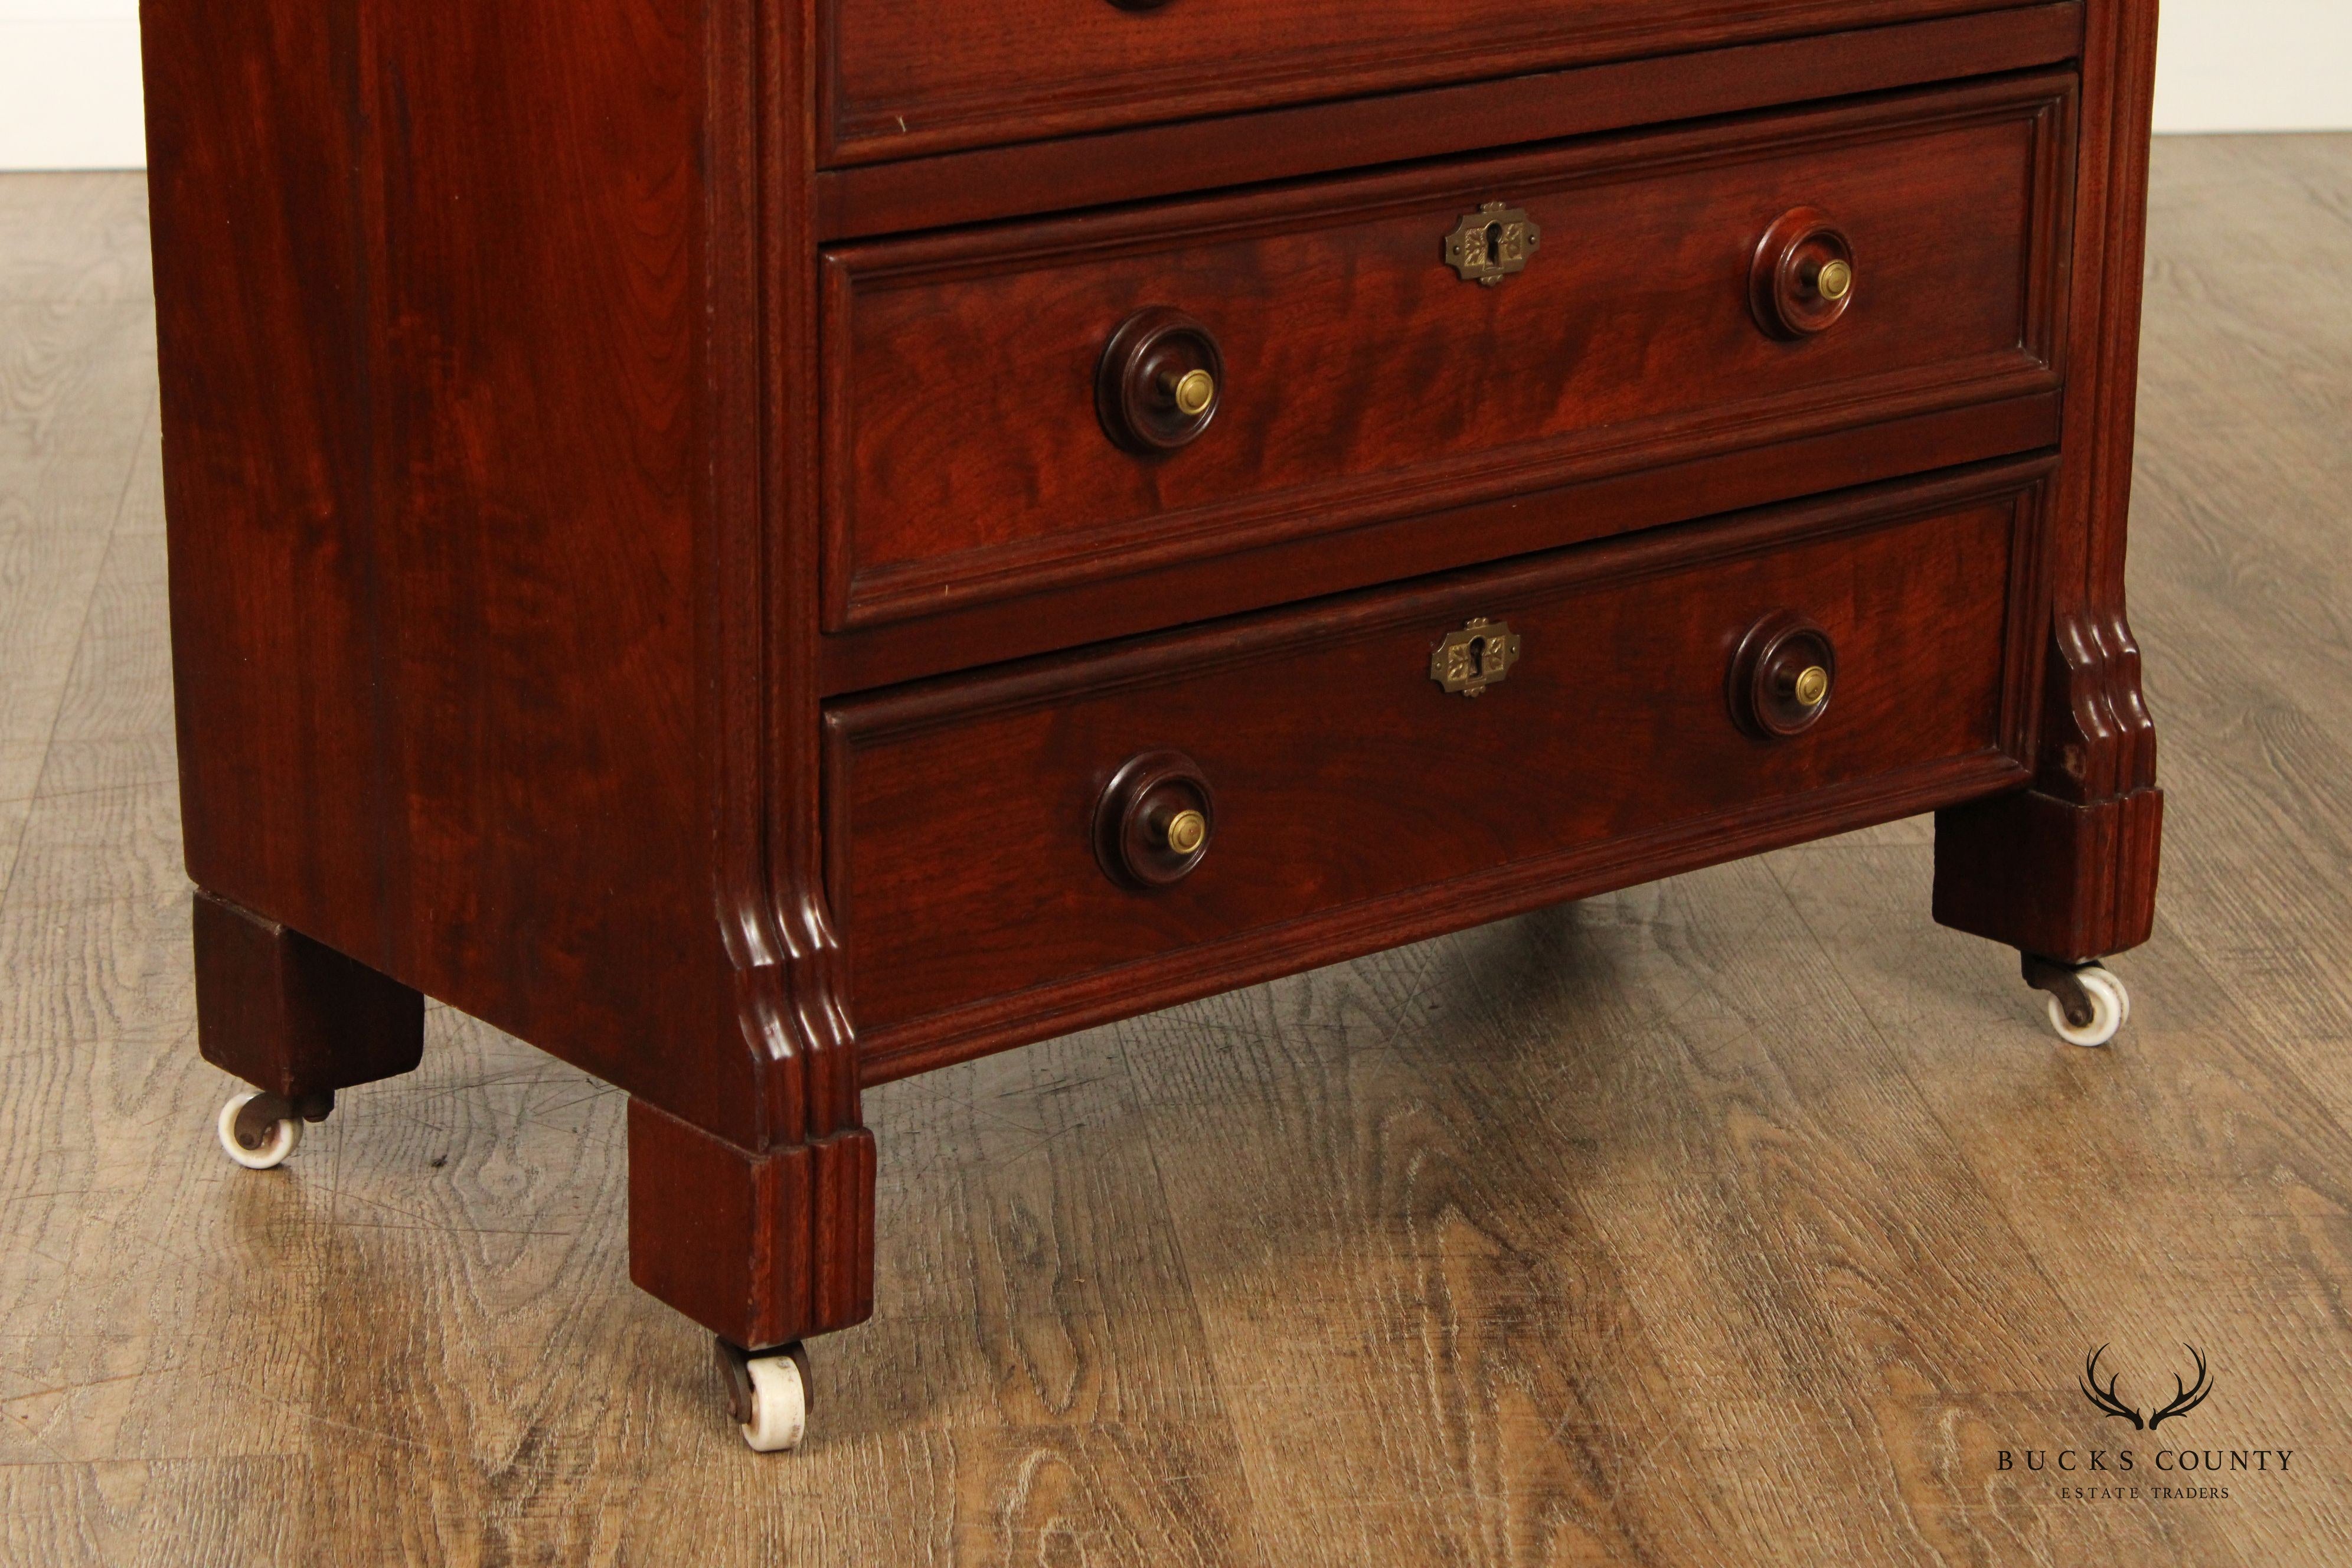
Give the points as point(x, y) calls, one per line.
point(1053, 404)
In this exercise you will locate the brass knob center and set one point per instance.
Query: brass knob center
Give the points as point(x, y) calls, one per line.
point(1187, 831)
point(1836, 281)
point(1813, 687)
point(1195, 390)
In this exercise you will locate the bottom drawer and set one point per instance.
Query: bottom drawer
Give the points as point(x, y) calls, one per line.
point(1032, 848)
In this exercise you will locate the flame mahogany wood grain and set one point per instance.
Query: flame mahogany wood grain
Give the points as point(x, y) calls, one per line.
point(694, 1200)
point(292, 1016)
point(491, 366)
point(474, 519)
point(2068, 869)
point(905, 78)
point(1347, 779)
point(432, 521)
point(1365, 381)
point(1295, 569)
point(1354, 133)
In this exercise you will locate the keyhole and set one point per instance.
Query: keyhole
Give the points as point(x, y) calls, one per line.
point(1494, 242)
point(1478, 656)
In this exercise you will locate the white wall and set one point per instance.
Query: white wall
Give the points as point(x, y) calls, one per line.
point(70, 85)
point(69, 74)
point(2254, 65)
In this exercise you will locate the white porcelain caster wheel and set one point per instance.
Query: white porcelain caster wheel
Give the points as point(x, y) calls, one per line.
point(2092, 1017)
point(254, 1138)
point(769, 1394)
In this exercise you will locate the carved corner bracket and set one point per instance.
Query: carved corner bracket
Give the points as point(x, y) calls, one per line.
point(2067, 869)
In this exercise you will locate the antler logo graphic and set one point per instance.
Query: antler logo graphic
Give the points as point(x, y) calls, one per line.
point(2184, 1399)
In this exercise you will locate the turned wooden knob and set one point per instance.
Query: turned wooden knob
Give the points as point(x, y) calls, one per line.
point(1160, 381)
point(1782, 676)
point(1154, 820)
point(1803, 278)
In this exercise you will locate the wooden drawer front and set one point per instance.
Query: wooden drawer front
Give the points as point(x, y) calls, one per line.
point(959, 815)
point(921, 76)
point(1363, 379)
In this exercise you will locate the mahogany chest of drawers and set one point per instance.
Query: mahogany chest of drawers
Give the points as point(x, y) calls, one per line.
point(766, 546)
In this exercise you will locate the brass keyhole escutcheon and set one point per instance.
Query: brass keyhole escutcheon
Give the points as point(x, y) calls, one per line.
point(1494, 242)
point(1477, 657)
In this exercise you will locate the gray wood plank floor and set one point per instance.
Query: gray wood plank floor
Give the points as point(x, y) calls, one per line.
point(1743, 1218)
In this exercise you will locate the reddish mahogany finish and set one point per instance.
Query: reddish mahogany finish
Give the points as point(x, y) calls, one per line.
point(1074, 172)
point(1365, 380)
point(1345, 775)
point(292, 1017)
point(767, 1247)
point(573, 423)
point(1783, 675)
point(2068, 868)
point(1294, 569)
point(1153, 820)
point(433, 440)
point(907, 77)
point(1801, 282)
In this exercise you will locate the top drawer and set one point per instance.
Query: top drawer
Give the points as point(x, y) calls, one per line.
point(907, 77)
